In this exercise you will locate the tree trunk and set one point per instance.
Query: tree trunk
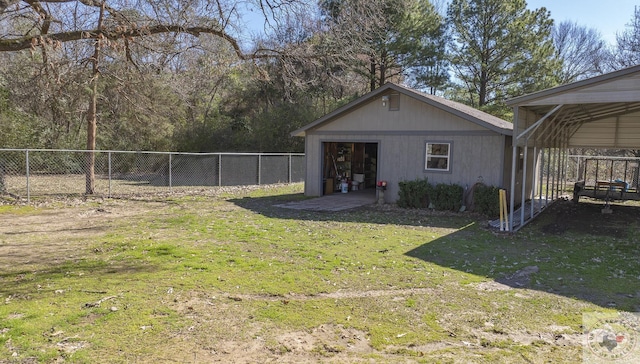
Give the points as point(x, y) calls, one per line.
point(372, 74)
point(92, 114)
point(383, 68)
point(91, 137)
point(482, 95)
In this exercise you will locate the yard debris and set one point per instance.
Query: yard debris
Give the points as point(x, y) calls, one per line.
point(98, 302)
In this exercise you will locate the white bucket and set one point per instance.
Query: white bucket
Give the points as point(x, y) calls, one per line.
point(354, 185)
point(344, 187)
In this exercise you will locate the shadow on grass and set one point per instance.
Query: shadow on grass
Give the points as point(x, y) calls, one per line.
point(559, 253)
point(371, 213)
point(24, 281)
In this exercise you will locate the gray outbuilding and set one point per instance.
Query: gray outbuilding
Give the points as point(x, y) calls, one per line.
point(396, 134)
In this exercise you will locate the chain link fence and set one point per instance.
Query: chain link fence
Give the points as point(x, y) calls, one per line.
point(25, 173)
point(604, 168)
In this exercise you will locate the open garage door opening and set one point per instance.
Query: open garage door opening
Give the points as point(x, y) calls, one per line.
point(349, 167)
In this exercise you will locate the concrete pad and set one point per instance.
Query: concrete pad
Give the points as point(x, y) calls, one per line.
point(334, 202)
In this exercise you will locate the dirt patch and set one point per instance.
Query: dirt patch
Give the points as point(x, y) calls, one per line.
point(586, 217)
point(31, 234)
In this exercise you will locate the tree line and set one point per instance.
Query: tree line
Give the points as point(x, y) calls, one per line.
point(223, 75)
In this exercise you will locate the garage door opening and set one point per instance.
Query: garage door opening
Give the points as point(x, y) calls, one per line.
point(349, 167)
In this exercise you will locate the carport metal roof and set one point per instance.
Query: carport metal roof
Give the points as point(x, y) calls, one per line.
point(599, 112)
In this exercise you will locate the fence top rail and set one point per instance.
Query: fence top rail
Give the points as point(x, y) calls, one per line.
point(604, 157)
point(146, 152)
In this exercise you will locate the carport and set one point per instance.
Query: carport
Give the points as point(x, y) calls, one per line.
point(602, 112)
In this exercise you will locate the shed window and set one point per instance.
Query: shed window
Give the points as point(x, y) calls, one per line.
point(438, 156)
point(394, 102)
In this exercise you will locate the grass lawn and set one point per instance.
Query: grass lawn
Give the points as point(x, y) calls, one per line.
point(228, 277)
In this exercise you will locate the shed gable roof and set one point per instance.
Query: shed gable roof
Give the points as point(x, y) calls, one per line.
point(463, 111)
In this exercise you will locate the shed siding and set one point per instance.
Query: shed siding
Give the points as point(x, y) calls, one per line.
point(402, 156)
point(412, 116)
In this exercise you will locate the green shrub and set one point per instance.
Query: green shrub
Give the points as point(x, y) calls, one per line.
point(486, 200)
point(447, 197)
point(414, 194)
point(420, 194)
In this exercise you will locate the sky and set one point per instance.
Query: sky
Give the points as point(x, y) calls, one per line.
point(607, 16)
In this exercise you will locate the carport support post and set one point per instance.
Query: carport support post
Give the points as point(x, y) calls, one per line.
point(514, 156)
point(524, 180)
point(534, 170)
point(558, 173)
point(550, 154)
point(541, 172)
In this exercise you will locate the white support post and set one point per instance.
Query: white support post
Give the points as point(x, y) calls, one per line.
point(541, 173)
point(514, 156)
point(290, 167)
point(523, 195)
point(558, 174)
point(546, 193)
point(534, 178)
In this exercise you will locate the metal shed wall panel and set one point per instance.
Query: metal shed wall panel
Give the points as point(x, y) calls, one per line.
point(614, 132)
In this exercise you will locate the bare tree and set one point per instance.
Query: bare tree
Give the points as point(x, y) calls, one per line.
point(114, 27)
point(582, 50)
point(627, 50)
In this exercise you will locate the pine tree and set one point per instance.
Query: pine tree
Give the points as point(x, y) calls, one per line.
point(501, 49)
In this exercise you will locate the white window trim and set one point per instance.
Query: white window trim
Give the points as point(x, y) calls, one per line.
point(427, 155)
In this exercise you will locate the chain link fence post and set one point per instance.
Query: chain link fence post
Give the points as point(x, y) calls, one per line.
point(27, 174)
point(109, 161)
point(170, 173)
point(219, 169)
point(259, 168)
